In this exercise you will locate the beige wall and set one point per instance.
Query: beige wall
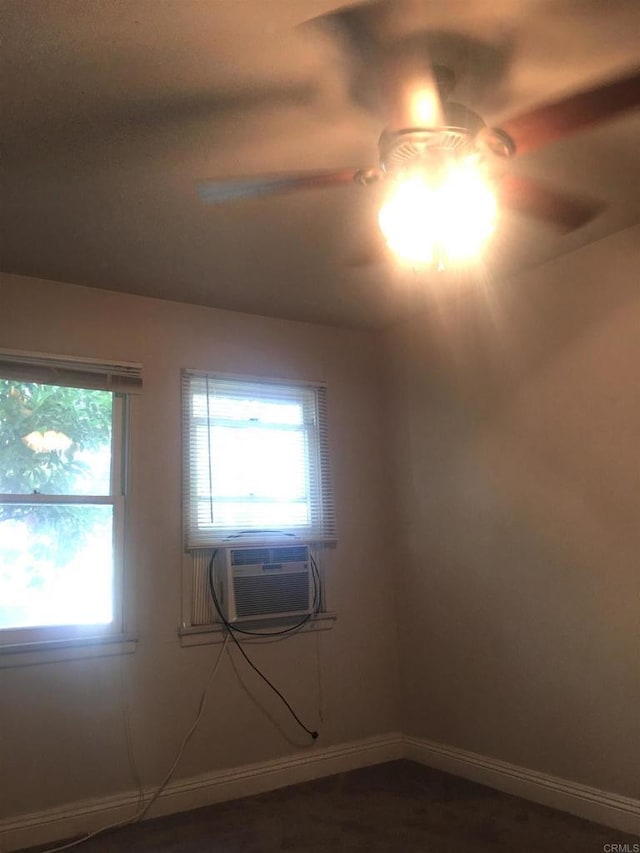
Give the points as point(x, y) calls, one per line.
point(517, 421)
point(61, 724)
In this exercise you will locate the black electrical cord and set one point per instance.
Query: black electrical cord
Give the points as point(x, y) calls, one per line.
point(231, 631)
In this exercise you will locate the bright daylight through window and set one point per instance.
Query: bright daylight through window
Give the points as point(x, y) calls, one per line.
point(61, 502)
point(256, 460)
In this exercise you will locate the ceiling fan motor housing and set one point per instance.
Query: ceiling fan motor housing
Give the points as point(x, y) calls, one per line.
point(413, 147)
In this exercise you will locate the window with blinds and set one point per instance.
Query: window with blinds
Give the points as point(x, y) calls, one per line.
point(256, 460)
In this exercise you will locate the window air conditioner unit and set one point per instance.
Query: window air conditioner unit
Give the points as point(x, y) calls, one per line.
point(256, 583)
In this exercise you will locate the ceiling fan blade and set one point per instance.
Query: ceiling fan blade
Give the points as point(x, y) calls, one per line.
point(391, 75)
point(541, 201)
point(550, 122)
point(221, 190)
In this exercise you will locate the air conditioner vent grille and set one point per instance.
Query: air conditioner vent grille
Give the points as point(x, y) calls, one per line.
point(258, 595)
point(250, 556)
point(263, 556)
point(290, 554)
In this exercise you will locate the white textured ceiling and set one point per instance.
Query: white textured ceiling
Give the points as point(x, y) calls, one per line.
point(111, 110)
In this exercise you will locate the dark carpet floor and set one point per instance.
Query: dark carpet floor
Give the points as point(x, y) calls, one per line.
point(399, 807)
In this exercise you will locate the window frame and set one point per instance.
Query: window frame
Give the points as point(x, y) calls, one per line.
point(23, 645)
point(321, 529)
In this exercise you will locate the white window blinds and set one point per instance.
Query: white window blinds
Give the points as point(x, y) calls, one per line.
point(256, 460)
point(123, 377)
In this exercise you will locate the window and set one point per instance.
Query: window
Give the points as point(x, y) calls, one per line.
point(62, 497)
point(256, 460)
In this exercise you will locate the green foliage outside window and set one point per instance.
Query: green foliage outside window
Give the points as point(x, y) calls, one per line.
point(44, 430)
point(82, 417)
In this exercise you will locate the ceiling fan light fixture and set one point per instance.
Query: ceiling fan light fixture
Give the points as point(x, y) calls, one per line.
point(446, 221)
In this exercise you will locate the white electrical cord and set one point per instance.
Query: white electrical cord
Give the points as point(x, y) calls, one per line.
point(135, 774)
point(142, 811)
point(321, 705)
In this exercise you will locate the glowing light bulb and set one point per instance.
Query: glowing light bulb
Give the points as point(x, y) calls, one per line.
point(425, 107)
point(467, 212)
point(450, 220)
point(406, 220)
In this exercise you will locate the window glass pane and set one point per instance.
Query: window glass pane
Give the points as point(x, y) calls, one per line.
point(54, 439)
point(255, 462)
point(267, 412)
point(248, 409)
point(253, 515)
point(259, 477)
point(56, 565)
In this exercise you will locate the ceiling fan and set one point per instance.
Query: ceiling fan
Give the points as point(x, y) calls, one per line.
point(443, 166)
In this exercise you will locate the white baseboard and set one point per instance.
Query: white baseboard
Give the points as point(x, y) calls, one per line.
point(614, 810)
point(86, 816)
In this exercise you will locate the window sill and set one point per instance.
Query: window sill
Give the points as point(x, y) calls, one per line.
point(200, 635)
point(54, 651)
